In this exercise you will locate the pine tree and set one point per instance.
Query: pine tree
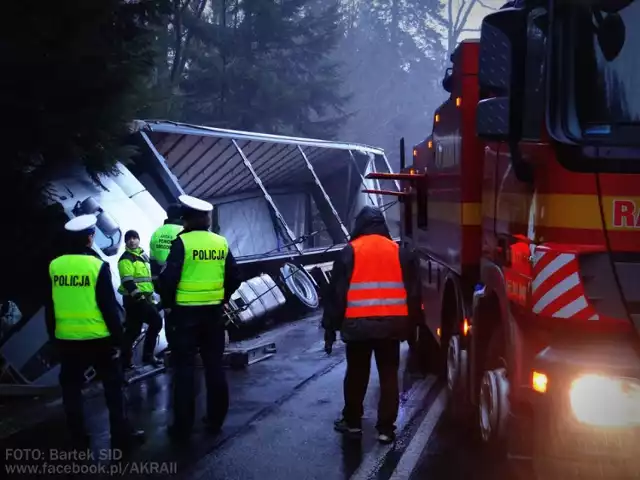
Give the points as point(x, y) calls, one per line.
point(75, 73)
point(394, 64)
point(265, 66)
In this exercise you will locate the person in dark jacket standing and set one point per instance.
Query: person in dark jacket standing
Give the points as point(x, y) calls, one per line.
point(199, 278)
point(374, 300)
point(83, 322)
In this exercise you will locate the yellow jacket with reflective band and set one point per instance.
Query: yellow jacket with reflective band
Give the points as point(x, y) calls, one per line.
point(74, 279)
point(202, 279)
point(133, 266)
point(161, 240)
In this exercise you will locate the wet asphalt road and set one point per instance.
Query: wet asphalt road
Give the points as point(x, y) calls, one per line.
point(452, 453)
point(279, 425)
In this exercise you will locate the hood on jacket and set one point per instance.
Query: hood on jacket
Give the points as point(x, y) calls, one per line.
point(370, 221)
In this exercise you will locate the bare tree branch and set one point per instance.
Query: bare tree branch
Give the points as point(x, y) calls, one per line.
point(455, 24)
point(488, 7)
point(465, 17)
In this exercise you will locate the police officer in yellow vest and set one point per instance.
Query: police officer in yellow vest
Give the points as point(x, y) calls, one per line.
point(137, 291)
point(83, 322)
point(199, 277)
point(162, 239)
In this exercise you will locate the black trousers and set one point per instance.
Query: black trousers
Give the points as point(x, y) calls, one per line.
point(387, 355)
point(191, 330)
point(75, 358)
point(137, 313)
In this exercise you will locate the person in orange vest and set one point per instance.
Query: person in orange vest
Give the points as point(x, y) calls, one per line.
point(374, 300)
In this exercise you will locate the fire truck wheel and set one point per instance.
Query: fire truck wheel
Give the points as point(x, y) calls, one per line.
point(493, 401)
point(457, 379)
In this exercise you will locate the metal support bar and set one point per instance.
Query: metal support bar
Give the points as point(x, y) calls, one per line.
point(386, 192)
point(267, 196)
point(395, 176)
point(324, 193)
point(362, 179)
point(372, 164)
point(170, 180)
point(386, 161)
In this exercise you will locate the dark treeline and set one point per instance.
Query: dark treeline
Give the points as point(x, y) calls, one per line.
point(361, 71)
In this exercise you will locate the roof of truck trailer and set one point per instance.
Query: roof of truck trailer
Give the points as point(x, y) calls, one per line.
point(207, 164)
point(167, 126)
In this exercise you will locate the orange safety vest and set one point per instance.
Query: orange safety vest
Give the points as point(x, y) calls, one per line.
point(376, 288)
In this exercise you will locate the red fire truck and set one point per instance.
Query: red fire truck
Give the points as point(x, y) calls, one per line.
point(525, 215)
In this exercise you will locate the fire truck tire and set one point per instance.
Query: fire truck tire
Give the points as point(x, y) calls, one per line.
point(493, 400)
point(457, 380)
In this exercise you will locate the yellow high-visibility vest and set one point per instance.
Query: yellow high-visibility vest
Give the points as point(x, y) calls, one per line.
point(74, 279)
point(202, 278)
point(161, 240)
point(134, 266)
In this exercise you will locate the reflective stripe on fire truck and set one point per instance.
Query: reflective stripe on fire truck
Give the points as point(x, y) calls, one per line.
point(556, 290)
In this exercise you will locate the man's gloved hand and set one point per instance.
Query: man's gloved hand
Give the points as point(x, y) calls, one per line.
point(329, 340)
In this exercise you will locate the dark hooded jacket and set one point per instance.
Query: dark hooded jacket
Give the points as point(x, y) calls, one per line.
point(370, 221)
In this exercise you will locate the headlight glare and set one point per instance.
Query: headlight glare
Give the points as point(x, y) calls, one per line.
point(603, 401)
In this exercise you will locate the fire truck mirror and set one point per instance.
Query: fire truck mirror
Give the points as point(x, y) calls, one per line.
point(611, 36)
point(501, 72)
point(447, 81)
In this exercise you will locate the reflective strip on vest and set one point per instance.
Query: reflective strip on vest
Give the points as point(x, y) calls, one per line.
point(137, 280)
point(74, 279)
point(376, 288)
point(134, 268)
point(161, 241)
point(202, 278)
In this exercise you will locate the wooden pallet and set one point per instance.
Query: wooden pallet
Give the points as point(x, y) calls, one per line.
point(239, 358)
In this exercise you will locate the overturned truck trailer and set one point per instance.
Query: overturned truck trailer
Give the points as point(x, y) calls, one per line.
point(286, 205)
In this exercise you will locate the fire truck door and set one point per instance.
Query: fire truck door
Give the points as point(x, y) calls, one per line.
point(514, 201)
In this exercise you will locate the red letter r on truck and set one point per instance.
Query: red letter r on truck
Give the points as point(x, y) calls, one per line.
point(623, 211)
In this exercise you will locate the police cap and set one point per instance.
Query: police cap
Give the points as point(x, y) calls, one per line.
point(82, 224)
point(194, 204)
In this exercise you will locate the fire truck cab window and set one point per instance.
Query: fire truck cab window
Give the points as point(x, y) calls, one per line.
point(534, 88)
point(606, 49)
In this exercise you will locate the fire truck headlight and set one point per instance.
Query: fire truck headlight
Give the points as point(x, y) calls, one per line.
point(602, 401)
